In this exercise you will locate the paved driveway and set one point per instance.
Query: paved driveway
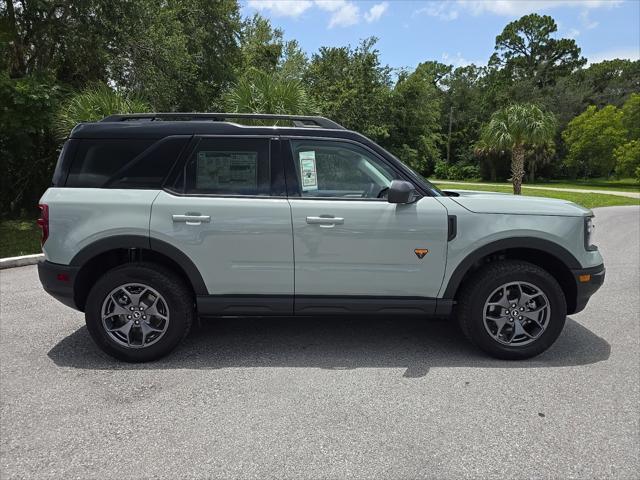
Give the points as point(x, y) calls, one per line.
point(386, 398)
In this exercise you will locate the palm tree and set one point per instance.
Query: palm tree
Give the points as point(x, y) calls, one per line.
point(261, 92)
point(93, 104)
point(515, 127)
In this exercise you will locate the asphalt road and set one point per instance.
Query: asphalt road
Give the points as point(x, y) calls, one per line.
point(284, 398)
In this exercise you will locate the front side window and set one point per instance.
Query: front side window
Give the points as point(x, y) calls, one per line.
point(229, 166)
point(340, 169)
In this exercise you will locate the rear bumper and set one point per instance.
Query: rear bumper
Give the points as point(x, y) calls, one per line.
point(58, 281)
point(587, 287)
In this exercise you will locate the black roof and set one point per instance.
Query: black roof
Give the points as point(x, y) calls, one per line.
point(159, 125)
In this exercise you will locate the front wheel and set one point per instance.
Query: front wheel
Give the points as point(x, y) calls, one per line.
point(512, 309)
point(139, 312)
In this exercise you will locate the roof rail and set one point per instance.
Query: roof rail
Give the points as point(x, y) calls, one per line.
point(297, 120)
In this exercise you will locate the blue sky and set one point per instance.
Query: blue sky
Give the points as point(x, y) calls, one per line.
point(456, 32)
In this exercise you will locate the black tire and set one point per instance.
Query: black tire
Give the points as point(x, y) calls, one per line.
point(178, 297)
point(476, 290)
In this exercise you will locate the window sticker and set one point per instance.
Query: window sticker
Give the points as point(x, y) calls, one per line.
point(308, 172)
point(226, 170)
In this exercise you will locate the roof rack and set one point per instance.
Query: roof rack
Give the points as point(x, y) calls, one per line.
point(297, 120)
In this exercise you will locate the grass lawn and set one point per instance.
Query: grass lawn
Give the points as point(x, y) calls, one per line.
point(620, 185)
point(589, 200)
point(19, 237)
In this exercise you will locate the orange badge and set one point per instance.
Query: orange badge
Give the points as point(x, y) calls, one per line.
point(421, 252)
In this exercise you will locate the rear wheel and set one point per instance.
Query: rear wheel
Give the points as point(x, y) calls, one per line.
point(512, 309)
point(139, 312)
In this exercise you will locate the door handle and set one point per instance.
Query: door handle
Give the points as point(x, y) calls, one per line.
point(191, 219)
point(325, 220)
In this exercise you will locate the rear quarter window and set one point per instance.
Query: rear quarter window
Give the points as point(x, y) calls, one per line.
point(124, 163)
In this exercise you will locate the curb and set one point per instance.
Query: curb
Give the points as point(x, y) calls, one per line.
point(11, 262)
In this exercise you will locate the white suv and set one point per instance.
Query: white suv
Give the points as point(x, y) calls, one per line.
point(153, 219)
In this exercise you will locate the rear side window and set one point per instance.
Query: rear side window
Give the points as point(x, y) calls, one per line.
point(149, 169)
point(228, 166)
point(124, 163)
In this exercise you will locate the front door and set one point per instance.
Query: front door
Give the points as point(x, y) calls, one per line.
point(228, 215)
point(350, 243)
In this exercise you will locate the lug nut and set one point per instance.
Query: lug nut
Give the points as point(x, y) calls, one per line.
point(144, 317)
point(520, 317)
point(131, 308)
point(129, 317)
point(522, 309)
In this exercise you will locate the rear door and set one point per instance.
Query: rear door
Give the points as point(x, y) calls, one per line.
point(349, 242)
point(227, 211)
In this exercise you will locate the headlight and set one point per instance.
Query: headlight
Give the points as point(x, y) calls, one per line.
point(589, 227)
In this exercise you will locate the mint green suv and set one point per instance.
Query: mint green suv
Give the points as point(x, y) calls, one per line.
point(154, 219)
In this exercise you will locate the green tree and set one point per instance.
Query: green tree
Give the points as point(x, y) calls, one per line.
point(180, 54)
point(94, 104)
point(414, 117)
point(591, 139)
point(609, 82)
point(261, 45)
point(628, 159)
point(514, 128)
point(631, 116)
point(27, 143)
point(352, 87)
point(526, 50)
point(261, 92)
point(465, 109)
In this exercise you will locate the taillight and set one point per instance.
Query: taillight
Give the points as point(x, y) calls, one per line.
point(43, 222)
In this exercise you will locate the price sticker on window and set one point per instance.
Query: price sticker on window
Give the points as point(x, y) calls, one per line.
point(308, 173)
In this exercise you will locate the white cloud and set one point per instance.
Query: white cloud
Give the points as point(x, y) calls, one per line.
point(450, 10)
point(441, 10)
point(573, 33)
point(586, 21)
point(282, 8)
point(523, 7)
point(343, 13)
point(623, 53)
point(458, 60)
point(376, 12)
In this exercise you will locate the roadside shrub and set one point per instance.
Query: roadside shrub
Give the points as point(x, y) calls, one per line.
point(456, 171)
point(627, 159)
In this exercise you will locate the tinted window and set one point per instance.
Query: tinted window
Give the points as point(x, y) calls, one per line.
point(224, 166)
point(124, 163)
point(58, 173)
point(339, 169)
point(149, 169)
point(96, 161)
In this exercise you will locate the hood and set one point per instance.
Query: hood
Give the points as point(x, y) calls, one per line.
point(493, 202)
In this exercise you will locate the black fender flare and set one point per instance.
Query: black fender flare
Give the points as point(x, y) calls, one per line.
point(143, 242)
point(532, 243)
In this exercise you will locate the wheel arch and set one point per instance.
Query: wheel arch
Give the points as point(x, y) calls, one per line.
point(104, 254)
point(553, 258)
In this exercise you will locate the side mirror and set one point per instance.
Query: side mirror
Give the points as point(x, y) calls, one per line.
point(401, 192)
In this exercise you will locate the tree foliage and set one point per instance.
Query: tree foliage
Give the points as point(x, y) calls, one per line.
point(514, 128)
point(94, 104)
point(591, 139)
point(261, 92)
point(527, 50)
point(352, 87)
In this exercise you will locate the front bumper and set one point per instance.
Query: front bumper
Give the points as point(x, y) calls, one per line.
point(588, 281)
point(58, 281)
